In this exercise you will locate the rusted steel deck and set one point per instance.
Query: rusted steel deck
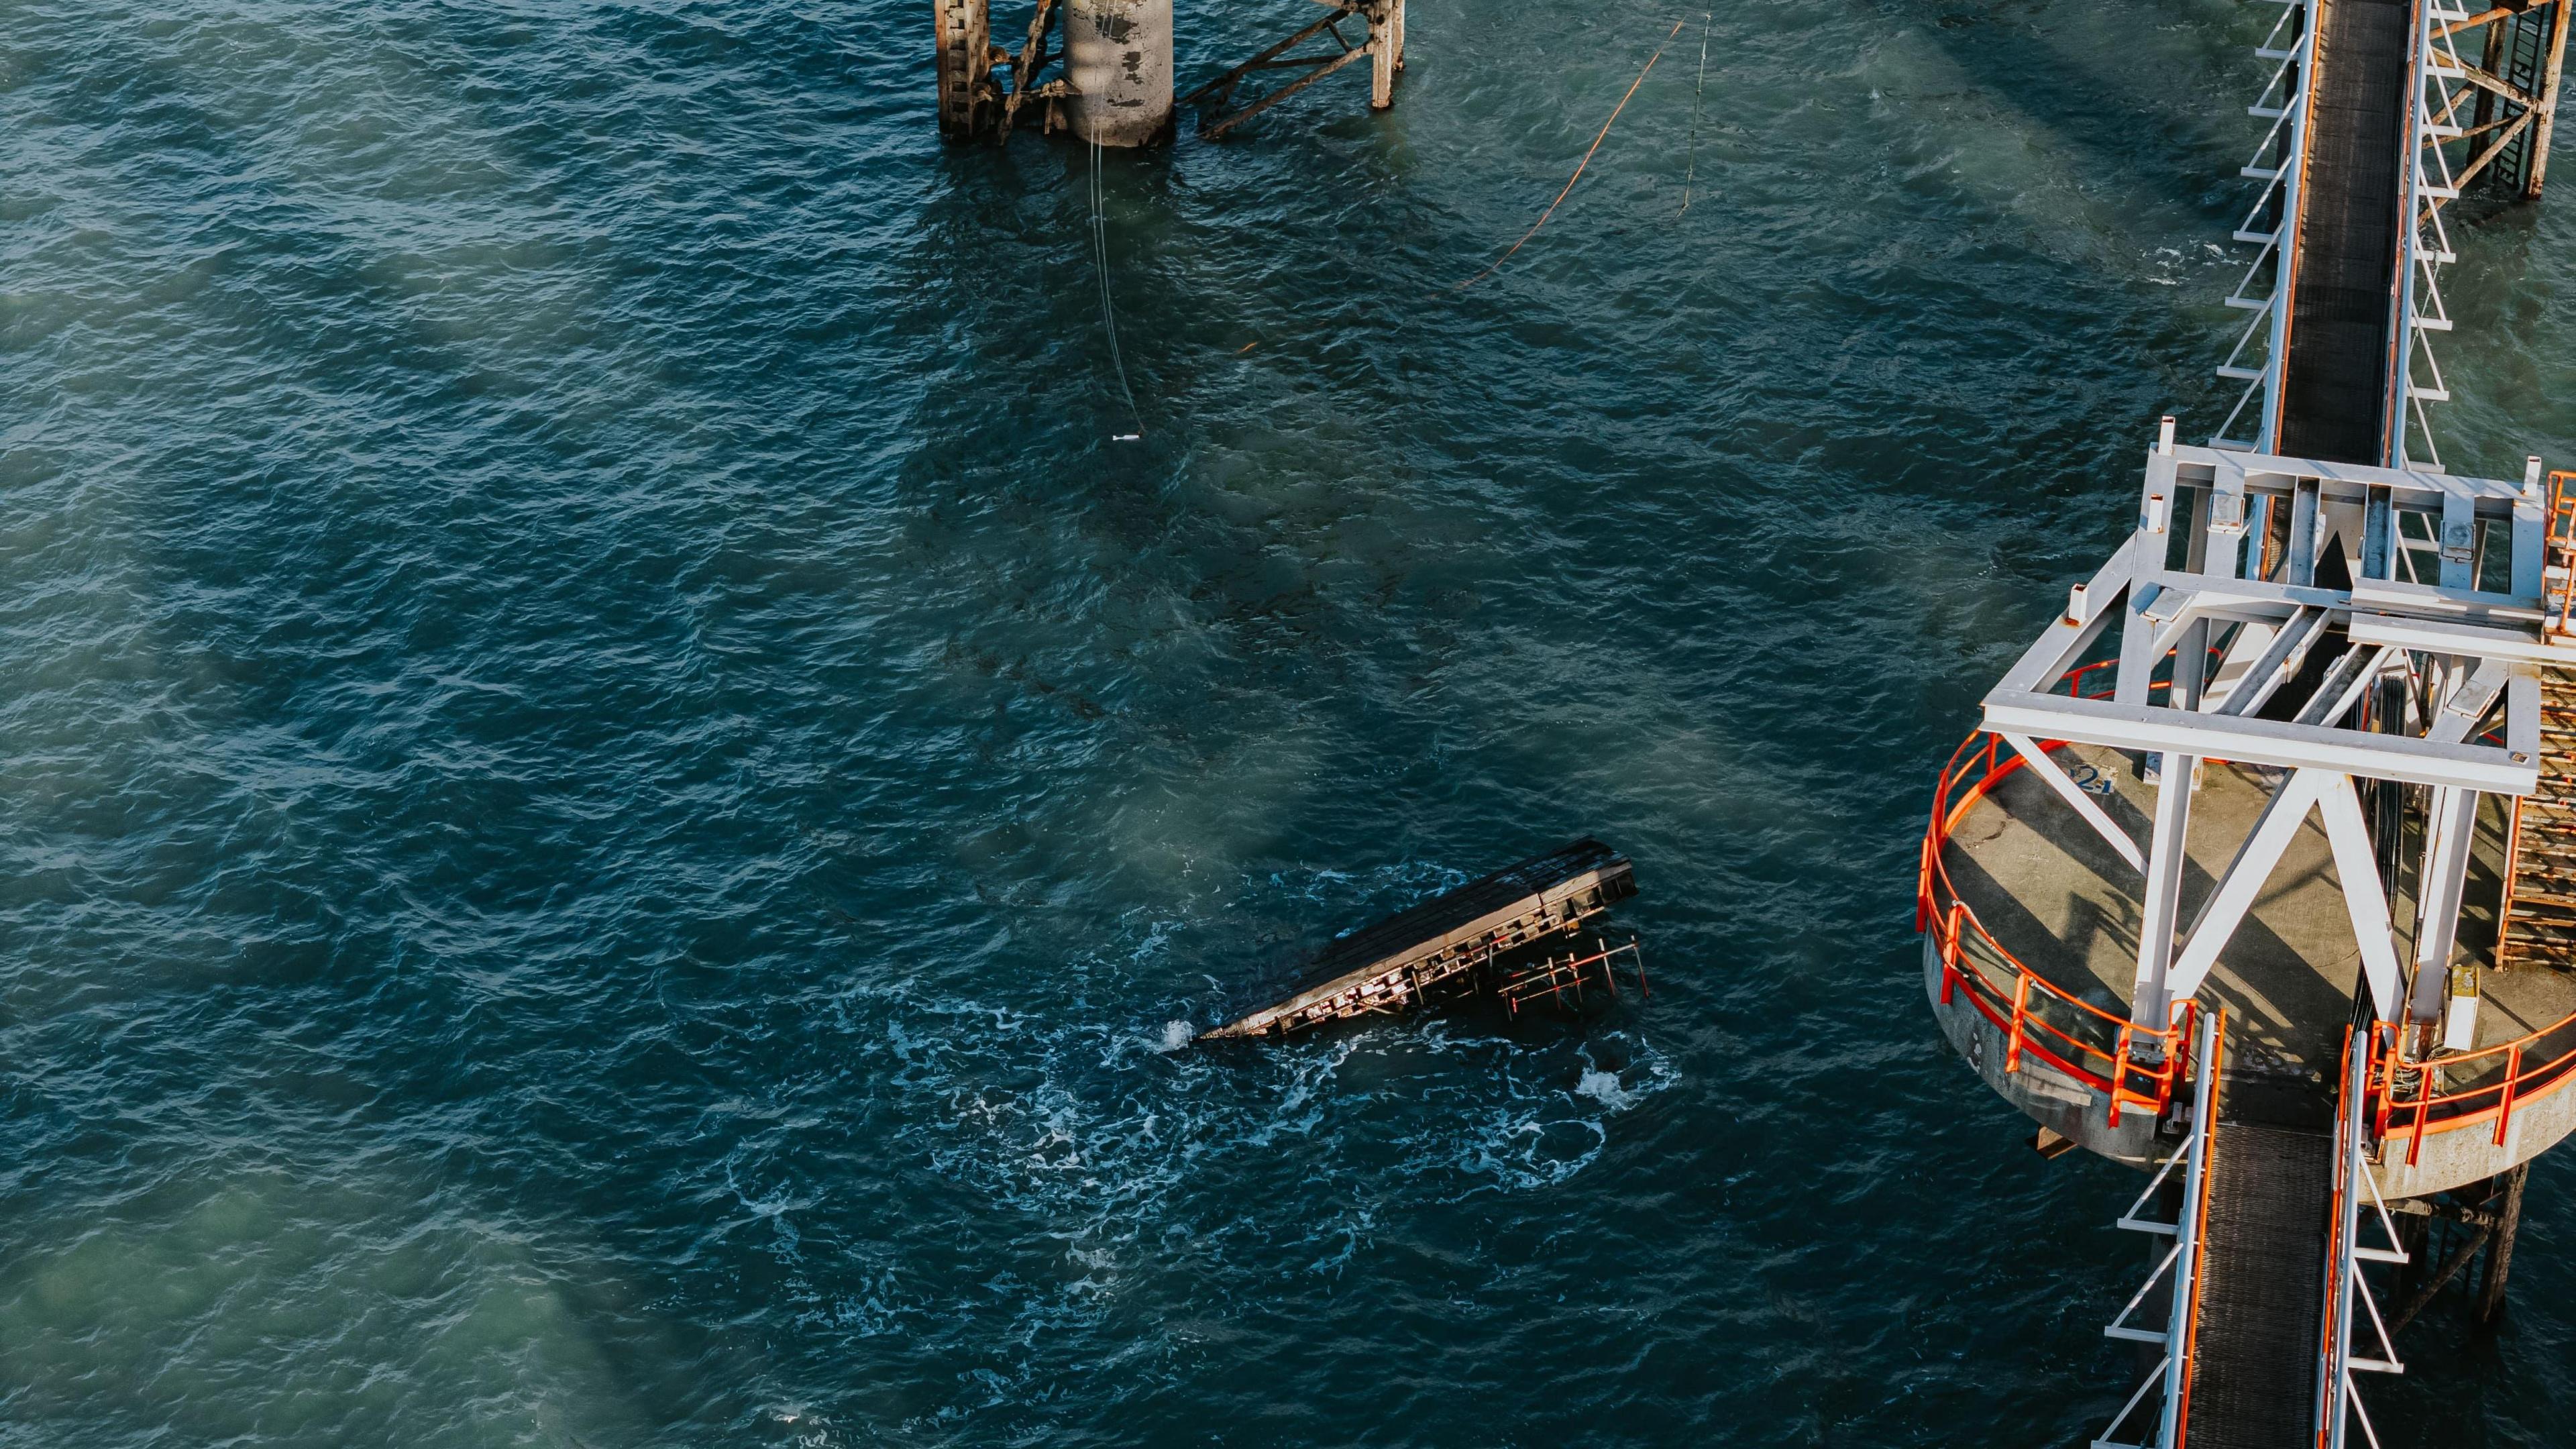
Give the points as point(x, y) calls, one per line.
point(1389, 965)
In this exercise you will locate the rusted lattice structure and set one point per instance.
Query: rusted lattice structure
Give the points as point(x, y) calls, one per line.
point(1112, 76)
point(973, 103)
point(1327, 49)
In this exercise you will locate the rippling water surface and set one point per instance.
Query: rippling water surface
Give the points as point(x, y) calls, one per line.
point(616, 804)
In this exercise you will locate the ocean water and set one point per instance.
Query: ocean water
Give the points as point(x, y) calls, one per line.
point(615, 805)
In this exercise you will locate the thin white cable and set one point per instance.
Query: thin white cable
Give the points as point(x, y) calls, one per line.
point(1108, 314)
point(1691, 167)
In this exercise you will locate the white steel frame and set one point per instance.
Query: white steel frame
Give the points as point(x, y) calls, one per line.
point(2284, 102)
point(2478, 652)
point(2438, 86)
point(2338, 1401)
point(2183, 1261)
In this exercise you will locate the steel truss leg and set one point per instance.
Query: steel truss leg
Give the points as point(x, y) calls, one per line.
point(2364, 899)
point(1386, 52)
point(2538, 170)
point(2150, 1003)
point(2449, 828)
point(2508, 1212)
point(1384, 49)
point(2226, 907)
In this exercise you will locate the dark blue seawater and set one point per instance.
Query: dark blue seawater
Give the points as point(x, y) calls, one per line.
point(615, 804)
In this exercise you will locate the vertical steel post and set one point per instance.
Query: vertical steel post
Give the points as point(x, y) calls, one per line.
point(2493, 64)
point(2166, 849)
point(2547, 124)
point(2508, 1221)
point(2450, 827)
point(1118, 62)
point(1386, 51)
point(965, 67)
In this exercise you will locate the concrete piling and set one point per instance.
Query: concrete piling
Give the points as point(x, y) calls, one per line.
point(1118, 57)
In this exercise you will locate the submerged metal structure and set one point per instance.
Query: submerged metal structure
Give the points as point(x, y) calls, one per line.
point(2260, 874)
point(1446, 944)
point(1112, 64)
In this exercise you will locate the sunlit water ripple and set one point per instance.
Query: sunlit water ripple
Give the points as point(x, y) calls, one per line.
point(617, 806)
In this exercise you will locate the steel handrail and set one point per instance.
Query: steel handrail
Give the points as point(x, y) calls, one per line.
point(2558, 535)
point(2191, 1227)
point(2418, 1108)
point(2131, 1063)
point(2112, 1048)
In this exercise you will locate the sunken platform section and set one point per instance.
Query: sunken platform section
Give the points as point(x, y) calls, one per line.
point(1390, 965)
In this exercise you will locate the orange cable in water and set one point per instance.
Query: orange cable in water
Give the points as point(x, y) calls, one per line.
point(1578, 168)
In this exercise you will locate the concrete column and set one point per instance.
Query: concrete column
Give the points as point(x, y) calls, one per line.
point(1118, 58)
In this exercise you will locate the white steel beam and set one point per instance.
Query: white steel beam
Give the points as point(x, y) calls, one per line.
point(2245, 880)
point(2244, 653)
point(2073, 794)
point(2149, 1001)
point(2449, 826)
point(2470, 702)
point(2365, 902)
point(2416, 485)
point(2280, 663)
point(2474, 606)
point(2262, 598)
point(2138, 653)
point(2226, 907)
point(2048, 657)
point(2263, 742)
point(2302, 565)
point(2528, 531)
point(2522, 715)
point(2439, 636)
point(2342, 686)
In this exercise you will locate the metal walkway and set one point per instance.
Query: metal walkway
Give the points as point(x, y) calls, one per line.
point(2262, 1293)
point(2272, 1198)
point(2339, 361)
point(2254, 1363)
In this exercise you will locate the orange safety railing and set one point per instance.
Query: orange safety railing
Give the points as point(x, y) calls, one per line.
point(2411, 1099)
point(2134, 1065)
point(2560, 544)
point(2138, 1065)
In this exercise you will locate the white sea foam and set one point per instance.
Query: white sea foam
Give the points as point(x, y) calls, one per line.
point(1603, 1087)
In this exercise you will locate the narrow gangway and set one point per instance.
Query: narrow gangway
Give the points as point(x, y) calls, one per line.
point(2342, 269)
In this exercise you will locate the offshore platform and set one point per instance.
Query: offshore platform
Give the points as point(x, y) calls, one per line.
point(2260, 875)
